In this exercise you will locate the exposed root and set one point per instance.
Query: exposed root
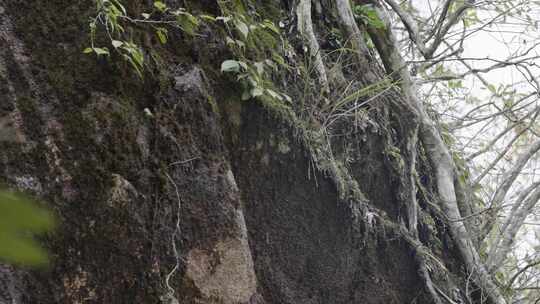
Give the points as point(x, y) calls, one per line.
point(305, 26)
point(352, 31)
point(424, 274)
point(170, 298)
point(439, 157)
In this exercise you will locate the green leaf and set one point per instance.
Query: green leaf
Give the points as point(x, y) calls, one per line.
point(367, 15)
point(162, 34)
point(270, 25)
point(134, 65)
point(232, 42)
point(138, 57)
point(278, 59)
point(133, 54)
point(188, 23)
point(162, 7)
point(162, 37)
point(274, 94)
point(117, 5)
point(271, 64)
point(16, 249)
point(19, 219)
point(192, 19)
point(208, 18)
point(230, 66)
point(88, 50)
point(101, 51)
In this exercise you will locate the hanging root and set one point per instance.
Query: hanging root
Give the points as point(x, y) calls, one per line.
point(170, 298)
point(355, 38)
point(305, 26)
point(421, 255)
point(439, 157)
point(424, 274)
point(437, 152)
point(354, 35)
point(408, 187)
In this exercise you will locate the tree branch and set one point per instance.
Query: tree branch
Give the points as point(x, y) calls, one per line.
point(513, 223)
point(504, 187)
point(442, 29)
point(522, 270)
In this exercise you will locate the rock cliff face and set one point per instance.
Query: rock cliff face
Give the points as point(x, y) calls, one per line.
point(173, 190)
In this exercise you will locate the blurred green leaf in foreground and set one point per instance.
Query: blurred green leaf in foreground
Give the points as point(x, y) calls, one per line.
point(20, 219)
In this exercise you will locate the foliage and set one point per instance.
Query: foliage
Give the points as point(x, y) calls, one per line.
point(366, 15)
point(112, 16)
point(252, 41)
point(19, 219)
point(256, 46)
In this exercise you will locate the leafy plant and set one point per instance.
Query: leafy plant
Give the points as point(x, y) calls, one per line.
point(111, 15)
point(252, 41)
point(19, 219)
point(255, 44)
point(367, 15)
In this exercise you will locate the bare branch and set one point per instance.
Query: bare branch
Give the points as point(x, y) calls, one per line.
point(442, 28)
point(504, 186)
point(522, 270)
point(410, 25)
point(441, 19)
point(490, 145)
point(513, 223)
point(452, 20)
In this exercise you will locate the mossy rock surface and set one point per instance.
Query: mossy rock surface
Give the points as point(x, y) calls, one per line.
point(174, 176)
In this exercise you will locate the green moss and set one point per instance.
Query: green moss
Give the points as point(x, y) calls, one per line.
point(279, 110)
point(122, 113)
point(394, 155)
point(261, 44)
point(270, 9)
point(283, 146)
point(213, 104)
point(315, 143)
